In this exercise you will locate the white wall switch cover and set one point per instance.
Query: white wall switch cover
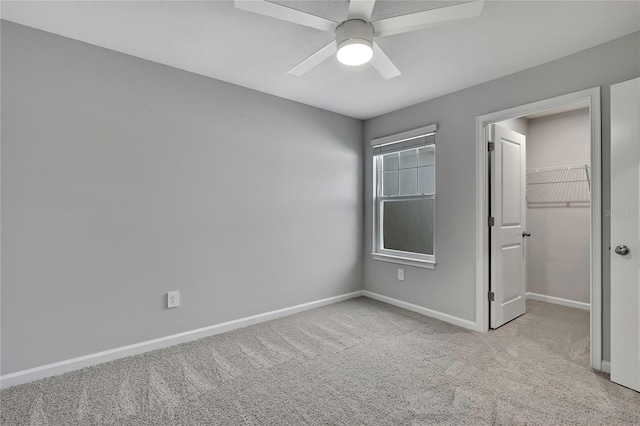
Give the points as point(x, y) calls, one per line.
point(400, 274)
point(173, 299)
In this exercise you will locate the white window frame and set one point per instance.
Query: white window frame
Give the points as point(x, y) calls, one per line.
point(397, 256)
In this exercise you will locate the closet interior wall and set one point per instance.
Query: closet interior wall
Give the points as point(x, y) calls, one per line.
point(558, 216)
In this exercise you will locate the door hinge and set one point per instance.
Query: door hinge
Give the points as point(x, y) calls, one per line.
point(492, 146)
point(492, 296)
point(492, 221)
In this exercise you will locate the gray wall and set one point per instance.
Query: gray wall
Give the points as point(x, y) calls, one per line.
point(558, 252)
point(123, 179)
point(559, 139)
point(450, 288)
point(520, 125)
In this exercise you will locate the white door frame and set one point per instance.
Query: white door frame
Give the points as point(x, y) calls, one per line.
point(592, 98)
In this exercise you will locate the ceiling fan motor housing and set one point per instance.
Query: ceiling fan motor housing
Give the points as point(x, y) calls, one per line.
point(354, 31)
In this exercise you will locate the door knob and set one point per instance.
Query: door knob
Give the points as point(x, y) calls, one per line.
point(623, 250)
point(526, 234)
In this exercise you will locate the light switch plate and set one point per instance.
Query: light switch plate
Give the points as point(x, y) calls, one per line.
point(400, 274)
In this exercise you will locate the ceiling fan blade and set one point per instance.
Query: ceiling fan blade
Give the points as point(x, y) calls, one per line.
point(383, 64)
point(285, 13)
point(315, 59)
point(360, 9)
point(426, 19)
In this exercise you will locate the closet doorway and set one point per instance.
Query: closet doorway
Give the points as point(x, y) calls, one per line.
point(556, 238)
point(538, 210)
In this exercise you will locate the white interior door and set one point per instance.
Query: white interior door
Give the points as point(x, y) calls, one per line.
point(625, 234)
point(508, 208)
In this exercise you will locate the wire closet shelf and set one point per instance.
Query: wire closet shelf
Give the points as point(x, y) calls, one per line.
point(559, 185)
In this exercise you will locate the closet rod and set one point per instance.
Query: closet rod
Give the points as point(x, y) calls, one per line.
point(568, 167)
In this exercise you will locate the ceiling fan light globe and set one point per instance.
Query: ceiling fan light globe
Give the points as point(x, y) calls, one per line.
point(355, 52)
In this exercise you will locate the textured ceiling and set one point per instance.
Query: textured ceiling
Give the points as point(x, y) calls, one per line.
point(215, 39)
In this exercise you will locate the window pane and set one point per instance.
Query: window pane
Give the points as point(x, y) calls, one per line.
point(427, 156)
point(427, 180)
point(389, 183)
point(408, 159)
point(408, 181)
point(390, 162)
point(408, 225)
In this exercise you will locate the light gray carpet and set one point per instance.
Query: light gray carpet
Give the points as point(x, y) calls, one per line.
point(359, 362)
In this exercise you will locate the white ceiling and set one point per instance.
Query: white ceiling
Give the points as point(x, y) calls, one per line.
point(215, 39)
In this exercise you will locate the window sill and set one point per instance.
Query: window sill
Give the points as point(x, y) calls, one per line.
point(404, 260)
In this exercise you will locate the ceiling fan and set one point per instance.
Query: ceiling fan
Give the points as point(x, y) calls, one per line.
point(354, 42)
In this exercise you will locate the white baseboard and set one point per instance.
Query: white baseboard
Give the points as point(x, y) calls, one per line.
point(424, 311)
point(559, 301)
point(73, 364)
point(606, 366)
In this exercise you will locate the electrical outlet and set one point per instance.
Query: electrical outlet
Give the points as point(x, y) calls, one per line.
point(400, 274)
point(173, 299)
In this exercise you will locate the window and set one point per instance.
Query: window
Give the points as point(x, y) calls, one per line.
point(405, 197)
